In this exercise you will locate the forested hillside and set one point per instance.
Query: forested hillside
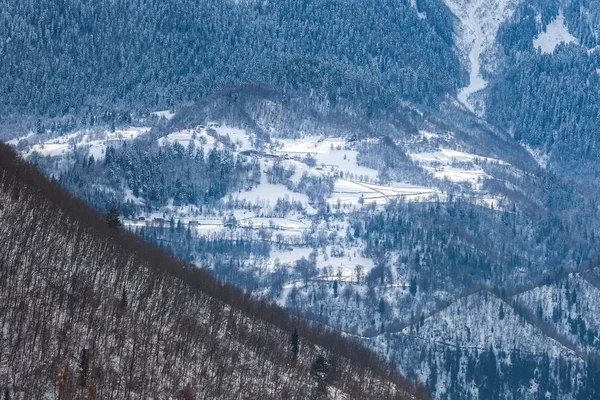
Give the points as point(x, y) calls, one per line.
point(88, 309)
point(420, 175)
point(61, 57)
point(556, 88)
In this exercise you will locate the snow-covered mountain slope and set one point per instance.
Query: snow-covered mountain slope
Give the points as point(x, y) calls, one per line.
point(482, 320)
point(475, 38)
point(572, 306)
point(89, 310)
point(480, 347)
point(366, 225)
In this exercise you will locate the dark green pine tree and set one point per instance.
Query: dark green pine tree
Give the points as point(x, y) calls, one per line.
point(295, 342)
point(112, 217)
point(319, 367)
point(381, 307)
point(413, 287)
point(319, 370)
point(83, 368)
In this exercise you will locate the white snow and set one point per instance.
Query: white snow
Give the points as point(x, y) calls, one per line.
point(97, 147)
point(556, 33)
point(288, 255)
point(166, 114)
point(96, 141)
point(344, 161)
point(309, 145)
point(330, 154)
point(267, 194)
point(449, 156)
point(540, 157)
point(479, 24)
point(184, 137)
point(428, 135)
point(15, 141)
point(239, 137)
point(345, 266)
point(129, 196)
point(475, 177)
point(350, 193)
point(413, 4)
point(441, 165)
point(205, 137)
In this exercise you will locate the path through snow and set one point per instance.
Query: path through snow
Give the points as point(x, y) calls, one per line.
point(479, 24)
point(476, 81)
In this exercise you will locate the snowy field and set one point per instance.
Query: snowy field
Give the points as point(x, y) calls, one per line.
point(96, 141)
point(455, 166)
point(556, 33)
point(352, 193)
point(197, 136)
point(207, 137)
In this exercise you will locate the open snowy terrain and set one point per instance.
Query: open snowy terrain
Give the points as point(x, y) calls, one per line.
point(555, 33)
point(455, 166)
point(482, 320)
point(96, 141)
point(479, 24)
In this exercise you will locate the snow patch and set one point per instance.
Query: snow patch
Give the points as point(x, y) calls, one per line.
point(96, 141)
point(421, 15)
point(540, 157)
point(267, 194)
point(480, 21)
point(166, 114)
point(449, 156)
point(197, 135)
point(353, 193)
point(556, 33)
point(240, 138)
point(442, 165)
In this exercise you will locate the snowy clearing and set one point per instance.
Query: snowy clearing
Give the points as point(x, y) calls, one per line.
point(266, 194)
point(206, 137)
point(239, 137)
point(449, 156)
point(441, 165)
point(96, 141)
point(198, 136)
point(352, 193)
point(166, 114)
point(556, 33)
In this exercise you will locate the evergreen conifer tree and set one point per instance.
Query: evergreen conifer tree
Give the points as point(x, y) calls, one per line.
point(112, 217)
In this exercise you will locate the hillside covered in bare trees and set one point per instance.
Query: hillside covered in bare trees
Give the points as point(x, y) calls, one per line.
point(88, 310)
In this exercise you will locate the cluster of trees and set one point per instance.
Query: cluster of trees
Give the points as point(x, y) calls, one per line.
point(160, 173)
point(91, 310)
point(557, 94)
point(61, 58)
point(470, 367)
point(569, 304)
point(453, 242)
point(497, 374)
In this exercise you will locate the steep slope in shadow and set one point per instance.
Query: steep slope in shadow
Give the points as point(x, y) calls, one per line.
point(87, 310)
